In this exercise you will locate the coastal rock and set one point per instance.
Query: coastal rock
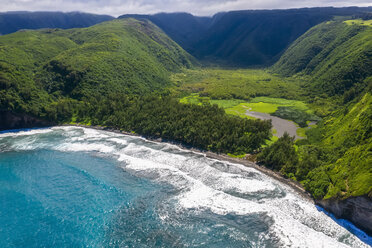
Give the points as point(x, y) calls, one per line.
point(10, 120)
point(358, 210)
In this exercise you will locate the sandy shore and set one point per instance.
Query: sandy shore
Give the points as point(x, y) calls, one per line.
point(222, 157)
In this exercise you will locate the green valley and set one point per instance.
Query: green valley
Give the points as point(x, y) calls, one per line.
point(313, 81)
point(127, 74)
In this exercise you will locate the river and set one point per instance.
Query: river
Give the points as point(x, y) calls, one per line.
point(81, 187)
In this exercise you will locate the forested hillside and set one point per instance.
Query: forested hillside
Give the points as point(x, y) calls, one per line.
point(126, 56)
point(335, 161)
point(243, 38)
point(336, 54)
point(13, 21)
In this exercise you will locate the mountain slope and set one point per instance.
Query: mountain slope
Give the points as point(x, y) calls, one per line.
point(13, 21)
point(337, 58)
point(336, 54)
point(346, 136)
point(183, 28)
point(121, 56)
point(243, 38)
point(334, 162)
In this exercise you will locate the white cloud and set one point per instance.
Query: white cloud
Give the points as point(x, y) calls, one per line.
point(198, 7)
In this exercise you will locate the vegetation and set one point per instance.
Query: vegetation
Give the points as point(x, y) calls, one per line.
point(129, 75)
point(206, 127)
point(294, 110)
point(335, 159)
point(126, 56)
point(243, 38)
point(115, 74)
point(359, 22)
point(219, 84)
point(280, 155)
point(336, 55)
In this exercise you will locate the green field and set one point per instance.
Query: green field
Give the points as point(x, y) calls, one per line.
point(294, 110)
point(244, 84)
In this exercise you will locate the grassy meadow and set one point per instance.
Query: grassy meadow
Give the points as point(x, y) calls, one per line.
point(243, 84)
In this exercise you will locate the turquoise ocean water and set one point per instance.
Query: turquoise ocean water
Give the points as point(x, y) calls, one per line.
point(78, 187)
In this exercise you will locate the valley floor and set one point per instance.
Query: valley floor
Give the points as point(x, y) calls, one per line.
point(250, 93)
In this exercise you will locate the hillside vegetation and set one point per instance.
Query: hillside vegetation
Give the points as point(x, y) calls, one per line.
point(347, 135)
point(335, 160)
point(243, 38)
point(335, 54)
point(126, 56)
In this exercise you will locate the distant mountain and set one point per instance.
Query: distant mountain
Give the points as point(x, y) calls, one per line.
point(243, 38)
point(183, 28)
point(11, 22)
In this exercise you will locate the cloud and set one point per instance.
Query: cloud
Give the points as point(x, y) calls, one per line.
point(197, 7)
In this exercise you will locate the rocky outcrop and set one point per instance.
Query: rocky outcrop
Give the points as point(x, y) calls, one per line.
point(358, 210)
point(10, 120)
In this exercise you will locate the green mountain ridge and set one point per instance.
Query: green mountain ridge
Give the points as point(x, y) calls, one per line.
point(127, 56)
point(335, 54)
point(346, 137)
point(245, 37)
point(335, 160)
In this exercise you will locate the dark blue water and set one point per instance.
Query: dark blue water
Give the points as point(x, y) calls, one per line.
point(75, 187)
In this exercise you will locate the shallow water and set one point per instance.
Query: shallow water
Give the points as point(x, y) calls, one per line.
point(280, 125)
point(75, 187)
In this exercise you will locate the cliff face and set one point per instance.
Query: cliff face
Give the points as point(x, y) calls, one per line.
point(358, 210)
point(10, 120)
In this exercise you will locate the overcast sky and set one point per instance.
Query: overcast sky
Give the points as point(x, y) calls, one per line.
point(197, 7)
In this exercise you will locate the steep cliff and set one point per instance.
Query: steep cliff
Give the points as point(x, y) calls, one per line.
point(356, 209)
point(10, 120)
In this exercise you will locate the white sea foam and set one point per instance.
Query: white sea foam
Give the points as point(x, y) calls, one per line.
point(204, 186)
point(26, 133)
point(84, 147)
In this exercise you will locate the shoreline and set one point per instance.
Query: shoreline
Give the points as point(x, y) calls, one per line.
point(354, 226)
point(296, 186)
